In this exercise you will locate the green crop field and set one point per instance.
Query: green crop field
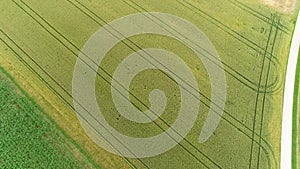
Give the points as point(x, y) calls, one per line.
point(296, 115)
point(28, 139)
point(40, 42)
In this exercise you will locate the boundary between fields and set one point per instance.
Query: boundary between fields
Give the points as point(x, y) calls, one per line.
point(83, 153)
point(287, 110)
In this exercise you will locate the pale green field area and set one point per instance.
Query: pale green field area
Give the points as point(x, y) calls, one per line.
point(252, 41)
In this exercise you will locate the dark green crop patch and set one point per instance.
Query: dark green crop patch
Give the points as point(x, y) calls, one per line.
point(27, 138)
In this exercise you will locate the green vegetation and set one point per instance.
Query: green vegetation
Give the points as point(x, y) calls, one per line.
point(27, 138)
point(296, 119)
point(252, 41)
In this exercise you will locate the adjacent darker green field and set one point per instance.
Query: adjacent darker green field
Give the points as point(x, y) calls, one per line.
point(296, 116)
point(27, 138)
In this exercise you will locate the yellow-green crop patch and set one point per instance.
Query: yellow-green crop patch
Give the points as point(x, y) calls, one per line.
point(251, 40)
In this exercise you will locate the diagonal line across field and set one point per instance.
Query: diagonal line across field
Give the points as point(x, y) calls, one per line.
point(224, 27)
point(203, 102)
point(131, 94)
point(200, 93)
point(240, 77)
point(257, 138)
point(58, 94)
point(137, 98)
point(259, 15)
point(187, 84)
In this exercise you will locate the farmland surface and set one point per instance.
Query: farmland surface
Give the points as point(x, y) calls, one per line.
point(28, 139)
point(40, 42)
